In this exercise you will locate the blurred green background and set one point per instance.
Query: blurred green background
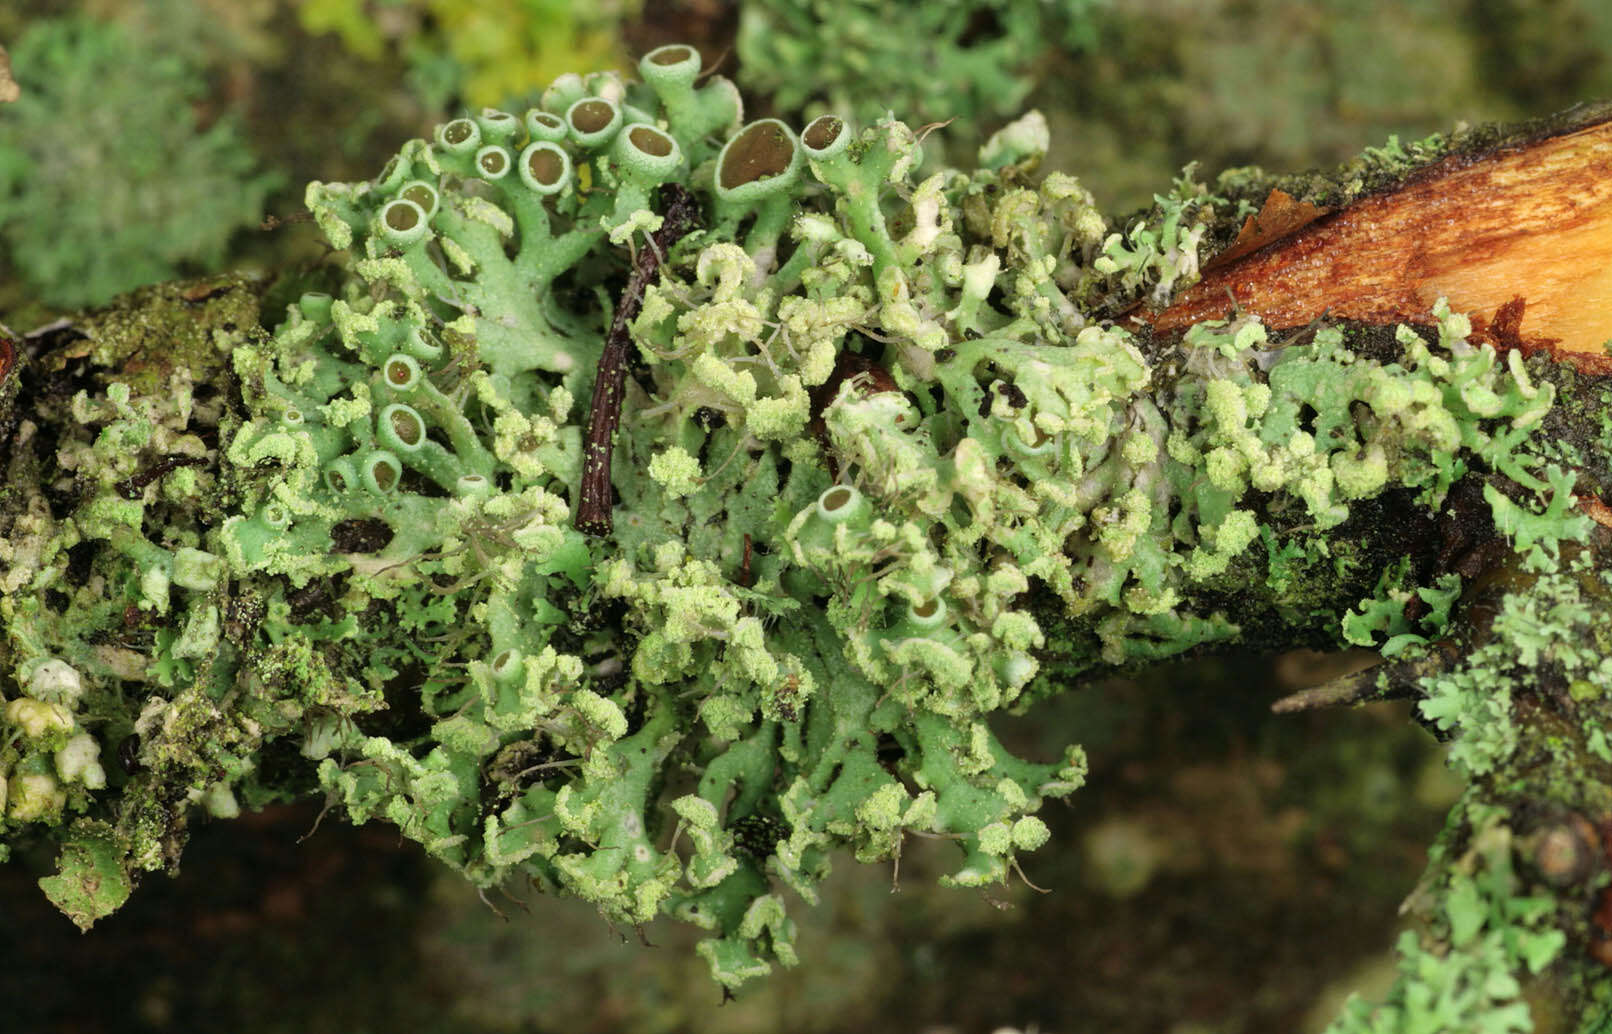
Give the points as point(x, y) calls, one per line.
point(154, 137)
point(1224, 871)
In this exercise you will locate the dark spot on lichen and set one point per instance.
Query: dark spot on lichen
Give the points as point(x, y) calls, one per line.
point(360, 535)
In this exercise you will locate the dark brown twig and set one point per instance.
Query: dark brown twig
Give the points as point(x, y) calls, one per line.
point(593, 508)
point(1386, 680)
point(131, 487)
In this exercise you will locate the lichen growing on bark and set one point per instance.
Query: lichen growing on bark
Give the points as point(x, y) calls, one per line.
point(886, 466)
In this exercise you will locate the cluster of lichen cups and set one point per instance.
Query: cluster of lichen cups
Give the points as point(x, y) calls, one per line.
point(438, 396)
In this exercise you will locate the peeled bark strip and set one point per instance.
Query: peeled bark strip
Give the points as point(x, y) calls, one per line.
point(1529, 221)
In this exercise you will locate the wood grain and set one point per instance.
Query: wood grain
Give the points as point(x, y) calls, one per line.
point(1531, 221)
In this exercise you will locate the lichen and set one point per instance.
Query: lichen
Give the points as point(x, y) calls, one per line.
point(876, 429)
point(1486, 937)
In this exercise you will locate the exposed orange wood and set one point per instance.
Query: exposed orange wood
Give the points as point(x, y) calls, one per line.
point(1280, 216)
point(1531, 221)
point(1597, 511)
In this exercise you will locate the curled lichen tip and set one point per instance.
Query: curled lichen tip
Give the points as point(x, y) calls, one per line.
point(393, 174)
point(841, 503)
point(674, 64)
point(825, 137)
point(543, 125)
point(400, 428)
point(492, 162)
point(646, 152)
point(315, 306)
point(401, 372)
point(380, 471)
point(423, 194)
point(341, 475)
point(403, 223)
point(497, 127)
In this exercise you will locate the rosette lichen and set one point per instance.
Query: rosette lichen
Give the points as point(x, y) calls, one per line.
point(881, 471)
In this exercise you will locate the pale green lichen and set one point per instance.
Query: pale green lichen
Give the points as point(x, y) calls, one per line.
point(873, 440)
point(1466, 973)
point(1538, 635)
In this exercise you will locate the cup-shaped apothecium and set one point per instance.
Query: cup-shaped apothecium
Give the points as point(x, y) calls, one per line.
point(545, 168)
point(593, 122)
point(761, 161)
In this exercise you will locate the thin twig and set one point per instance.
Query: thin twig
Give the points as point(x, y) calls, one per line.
point(1387, 680)
point(131, 487)
point(593, 508)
